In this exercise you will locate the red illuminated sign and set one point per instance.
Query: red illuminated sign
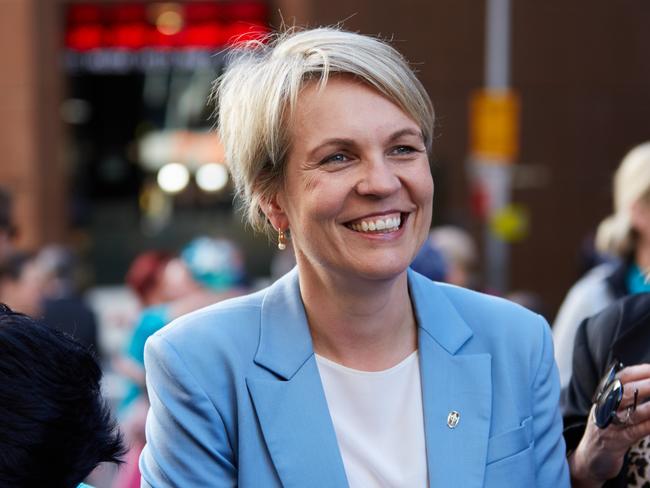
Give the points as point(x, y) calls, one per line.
point(157, 25)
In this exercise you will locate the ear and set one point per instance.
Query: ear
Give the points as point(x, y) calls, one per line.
point(274, 210)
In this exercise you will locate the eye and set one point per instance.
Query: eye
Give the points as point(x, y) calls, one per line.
point(403, 150)
point(335, 158)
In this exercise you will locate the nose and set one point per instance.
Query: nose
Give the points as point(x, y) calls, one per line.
point(378, 178)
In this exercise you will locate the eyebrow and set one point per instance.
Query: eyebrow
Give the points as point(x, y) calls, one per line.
point(341, 141)
point(406, 132)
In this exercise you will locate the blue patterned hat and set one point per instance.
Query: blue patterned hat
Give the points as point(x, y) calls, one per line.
point(215, 263)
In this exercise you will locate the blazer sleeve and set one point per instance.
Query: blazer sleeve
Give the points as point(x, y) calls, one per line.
point(187, 444)
point(550, 461)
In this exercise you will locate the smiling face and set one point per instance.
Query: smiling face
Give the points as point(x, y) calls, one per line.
point(357, 192)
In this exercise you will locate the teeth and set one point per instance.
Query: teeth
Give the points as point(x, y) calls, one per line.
point(389, 224)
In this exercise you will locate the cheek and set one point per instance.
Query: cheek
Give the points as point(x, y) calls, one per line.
point(422, 184)
point(317, 198)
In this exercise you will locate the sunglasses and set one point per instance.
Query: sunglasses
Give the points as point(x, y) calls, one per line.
point(608, 397)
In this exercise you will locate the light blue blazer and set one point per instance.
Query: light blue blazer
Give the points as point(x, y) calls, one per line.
point(237, 400)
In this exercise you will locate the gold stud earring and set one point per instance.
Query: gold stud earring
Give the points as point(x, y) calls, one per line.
point(282, 240)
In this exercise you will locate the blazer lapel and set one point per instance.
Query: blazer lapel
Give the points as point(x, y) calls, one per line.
point(292, 408)
point(451, 383)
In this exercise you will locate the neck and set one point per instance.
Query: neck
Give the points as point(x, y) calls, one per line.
point(360, 323)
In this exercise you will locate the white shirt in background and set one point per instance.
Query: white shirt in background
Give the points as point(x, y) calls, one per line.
point(587, 297)
point(378, 422)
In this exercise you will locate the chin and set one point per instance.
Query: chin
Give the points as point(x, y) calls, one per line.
point(381, 273)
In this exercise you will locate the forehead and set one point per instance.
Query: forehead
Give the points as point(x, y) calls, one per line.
point(342, 107)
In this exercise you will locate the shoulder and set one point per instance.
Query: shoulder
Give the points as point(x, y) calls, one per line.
point(520, 348)
point(495, 318)
point(618, 318)
point(218, 332)
point(518, 340)
point(482, 323)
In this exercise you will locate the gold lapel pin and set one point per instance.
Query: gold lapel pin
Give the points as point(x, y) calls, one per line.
point(452, 419)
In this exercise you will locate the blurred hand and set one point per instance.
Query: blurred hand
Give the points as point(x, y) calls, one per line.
point(599, 456)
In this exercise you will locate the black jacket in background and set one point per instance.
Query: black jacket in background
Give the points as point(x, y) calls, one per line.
point(622, 331)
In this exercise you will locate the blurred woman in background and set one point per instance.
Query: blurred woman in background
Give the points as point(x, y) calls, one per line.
point(207, 271)
point(626, 235)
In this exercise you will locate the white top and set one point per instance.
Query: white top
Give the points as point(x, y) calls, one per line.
point(587, 297)
point(379, 424)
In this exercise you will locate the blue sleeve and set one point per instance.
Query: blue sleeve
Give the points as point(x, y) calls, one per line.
point(551, 468)
point(187, 444)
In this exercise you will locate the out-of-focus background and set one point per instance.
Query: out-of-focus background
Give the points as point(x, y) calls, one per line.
point(106, 148)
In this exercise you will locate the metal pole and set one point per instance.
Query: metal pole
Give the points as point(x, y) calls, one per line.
point(497, 173)
point(497, 44)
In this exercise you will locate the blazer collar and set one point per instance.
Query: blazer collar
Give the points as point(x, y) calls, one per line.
point(435, 313)
point(285, 341)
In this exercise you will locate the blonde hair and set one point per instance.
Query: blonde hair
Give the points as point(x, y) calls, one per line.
point(257, 94)
point(615, 233)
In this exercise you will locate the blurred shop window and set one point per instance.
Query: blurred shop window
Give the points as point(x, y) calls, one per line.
point(142, 154)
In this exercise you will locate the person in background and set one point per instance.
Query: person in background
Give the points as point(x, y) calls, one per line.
point(207, 271)
point(430, 262)
point(7, 228)
point(459, 253)
point(351, 369)
point(617, 455)
point(147, 277)
point(55, 427)
point(63, 306)
point(626, 235)
point(22, 283)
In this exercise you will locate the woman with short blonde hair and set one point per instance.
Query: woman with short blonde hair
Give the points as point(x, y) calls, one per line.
point(352, 369)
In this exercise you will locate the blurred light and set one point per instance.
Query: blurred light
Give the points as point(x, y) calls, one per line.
point(131, 36)
point(84, 37)
point(205, 36)
point(212, 177)
point(169, 21)
point(173, 177)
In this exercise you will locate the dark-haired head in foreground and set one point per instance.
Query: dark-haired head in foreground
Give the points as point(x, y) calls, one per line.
point(55, 427)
